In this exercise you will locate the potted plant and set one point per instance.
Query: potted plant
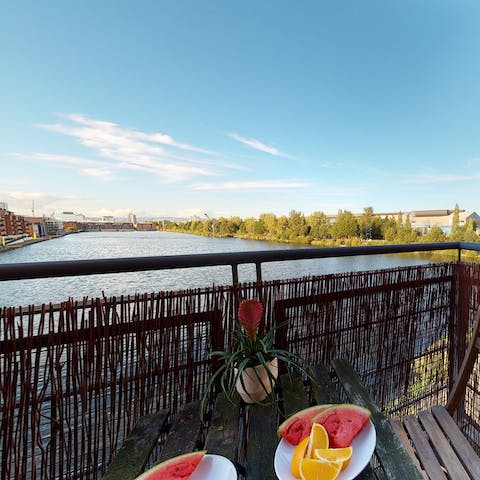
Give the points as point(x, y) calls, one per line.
point(251, 367)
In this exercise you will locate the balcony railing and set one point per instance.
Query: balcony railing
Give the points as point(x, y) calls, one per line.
point(74, 378)
point(21, 271)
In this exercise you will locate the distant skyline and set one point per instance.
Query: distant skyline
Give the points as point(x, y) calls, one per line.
point(181, 108)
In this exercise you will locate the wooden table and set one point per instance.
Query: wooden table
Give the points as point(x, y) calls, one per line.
point(247, 435)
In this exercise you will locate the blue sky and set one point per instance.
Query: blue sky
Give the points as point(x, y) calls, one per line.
point(238, 108)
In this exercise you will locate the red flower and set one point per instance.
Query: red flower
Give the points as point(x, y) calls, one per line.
point(249, 315)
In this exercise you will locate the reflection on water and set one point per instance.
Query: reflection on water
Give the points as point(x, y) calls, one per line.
point(93, 245)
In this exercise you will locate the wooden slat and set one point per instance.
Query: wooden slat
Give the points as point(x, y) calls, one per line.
point(222, 437)
point(445, 453)
point(368, 474)
point(130, 460)
point(323, 391)
point(424, 451)
point(262, 442)
point(183, 435)
point(293, 393)
point(399, 430)
point(389, 449)
point(463, 449)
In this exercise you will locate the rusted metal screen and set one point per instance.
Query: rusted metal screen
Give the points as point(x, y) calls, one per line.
point(393, 326)
point(75, 379)
point(468, 414)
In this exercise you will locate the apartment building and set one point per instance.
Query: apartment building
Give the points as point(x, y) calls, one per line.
point(10, 224)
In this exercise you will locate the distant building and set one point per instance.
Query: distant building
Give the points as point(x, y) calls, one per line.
point(10, 223)
point(3, 206)
point(54, 227)
point(101, 226)
point(70, 226)
point(424, 220)
point(146, 226)
point(35, 227)
point(132, 218)
point(108, 219)
point(70, 217)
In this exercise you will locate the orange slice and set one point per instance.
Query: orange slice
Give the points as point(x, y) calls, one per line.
point(298, 456)
point(335, 455)
point(318, 439)
point(317, 470)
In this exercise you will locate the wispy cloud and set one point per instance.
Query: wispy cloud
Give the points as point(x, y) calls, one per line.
point(473, 161)
point(123, 148)
point(258, 145)
point(66, 160)
point(14, 182)
point(115, 130)
point(439, 178)
point(21, 202)
point(255, 185)
point(101, 173)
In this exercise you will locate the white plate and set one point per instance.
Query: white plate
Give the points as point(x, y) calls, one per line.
point(214, 467)
point(363, 446)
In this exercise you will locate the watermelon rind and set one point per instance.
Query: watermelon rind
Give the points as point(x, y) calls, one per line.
point(345, 412)
point(305, 416)
point(159, 472)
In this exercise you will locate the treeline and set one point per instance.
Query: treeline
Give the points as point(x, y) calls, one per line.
point(317, 229)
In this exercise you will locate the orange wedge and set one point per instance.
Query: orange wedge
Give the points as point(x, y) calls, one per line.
point(298, 456)
point(318, 439)
point(335, 455)
point(317, 470)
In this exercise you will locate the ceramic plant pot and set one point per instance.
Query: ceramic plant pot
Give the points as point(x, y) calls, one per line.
point(254, 391)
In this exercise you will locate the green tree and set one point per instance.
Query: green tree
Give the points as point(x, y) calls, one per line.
point(399, 222)
point(389, 229)
point(345, 226)
point(469, 233)
point(456, 220)
point(297, 225)
point(370, 226)
point(405, 232)
point(253, 226)
point(225, 227)
point(319, 225)
point(435, 234)
point(282, 228)
point(248, 225)
point(237, 222)
point(270, 222)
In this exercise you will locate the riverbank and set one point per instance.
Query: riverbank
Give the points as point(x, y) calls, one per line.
point(449, 255)
point(23, 243)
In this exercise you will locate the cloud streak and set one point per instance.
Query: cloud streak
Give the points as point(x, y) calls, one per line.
point(440, 178)
point(122, 148)
point(254, 185)
point(258, 145)
point(21, 202)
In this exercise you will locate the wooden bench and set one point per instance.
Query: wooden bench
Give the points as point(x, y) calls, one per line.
point(130, 460)
point(184, 436)
point(392, 455)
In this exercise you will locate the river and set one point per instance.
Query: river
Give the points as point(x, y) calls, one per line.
point(94, 245)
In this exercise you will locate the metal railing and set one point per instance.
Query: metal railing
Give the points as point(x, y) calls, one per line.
point(23, 271)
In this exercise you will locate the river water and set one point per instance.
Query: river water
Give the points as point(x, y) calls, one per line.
point(82, 246)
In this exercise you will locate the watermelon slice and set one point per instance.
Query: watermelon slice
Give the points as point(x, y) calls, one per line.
point(298, 426)
point(180, 467)
point(343, 423)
